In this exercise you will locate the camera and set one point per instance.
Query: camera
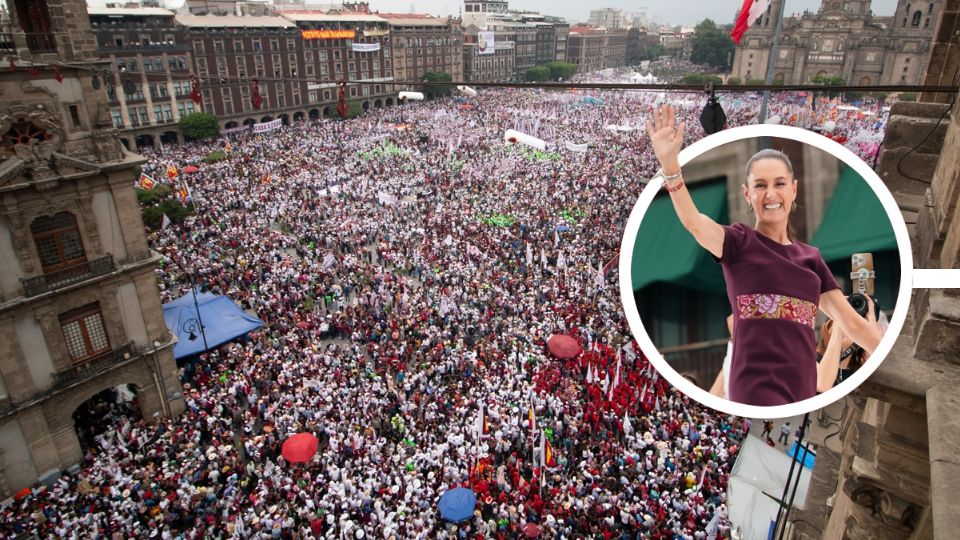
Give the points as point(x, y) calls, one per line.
point(862, 276)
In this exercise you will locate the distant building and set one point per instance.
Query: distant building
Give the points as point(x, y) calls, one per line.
point(843, 39)
point(493, 66)
point(608, 18)
point(423, 43)
point(535, 39)
point(148, 85)
point(594, 49)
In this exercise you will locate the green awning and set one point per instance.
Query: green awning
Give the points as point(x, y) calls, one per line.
point(855, 221)
point(665, 251)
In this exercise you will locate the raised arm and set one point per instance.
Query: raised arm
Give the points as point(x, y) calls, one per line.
point(863, 332)
point(667, 139)
point(829, 365)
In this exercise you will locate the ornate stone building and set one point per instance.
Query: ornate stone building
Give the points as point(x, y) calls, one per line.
point(79, 307)
point(843, 38)
point(887, 455)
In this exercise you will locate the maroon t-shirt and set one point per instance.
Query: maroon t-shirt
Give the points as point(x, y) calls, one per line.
point(774, 290)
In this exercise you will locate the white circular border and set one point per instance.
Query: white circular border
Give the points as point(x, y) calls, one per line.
point(896, 321)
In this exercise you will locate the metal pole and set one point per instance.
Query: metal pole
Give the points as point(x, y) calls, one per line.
point(196, 306)
point(771, 62)
point(793, 464)
point(796, 484)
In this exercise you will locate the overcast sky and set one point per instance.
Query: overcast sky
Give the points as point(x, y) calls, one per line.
point(683, 12)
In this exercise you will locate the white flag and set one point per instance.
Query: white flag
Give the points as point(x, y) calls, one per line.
point(529, 254)
point(165, 222)
point(589, 373)
point(556, 238)
point(627, 426)
point(616, 375)
point(600, 280)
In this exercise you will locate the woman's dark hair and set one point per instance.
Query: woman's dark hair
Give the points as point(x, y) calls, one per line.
point(770, 153)
point(767, 153)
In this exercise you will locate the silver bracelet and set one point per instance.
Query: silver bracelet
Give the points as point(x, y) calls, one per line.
point(669, 178)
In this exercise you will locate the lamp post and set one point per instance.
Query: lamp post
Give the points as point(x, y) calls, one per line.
point(192, 325)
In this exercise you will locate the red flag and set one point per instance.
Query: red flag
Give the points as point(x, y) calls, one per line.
point(256, 99)
point(548, 459)
point(195, 90)
point(750, 11)
point(533, 415)
point(171, 172)
point(146, 182)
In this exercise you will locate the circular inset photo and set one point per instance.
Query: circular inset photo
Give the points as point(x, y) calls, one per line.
point(771, 276)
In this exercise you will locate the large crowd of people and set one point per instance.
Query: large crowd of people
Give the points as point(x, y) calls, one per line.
point(410, 267)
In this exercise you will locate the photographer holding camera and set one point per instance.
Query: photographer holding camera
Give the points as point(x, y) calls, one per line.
point(774, 283)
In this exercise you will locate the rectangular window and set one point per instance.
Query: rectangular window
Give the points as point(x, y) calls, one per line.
point(58, 241)
point(218, 46)
point(238, 45)
point(74, 115)
point(84, 333)
point(198, 46)
point(117, 118)
point(256, 46)
point(322, 56)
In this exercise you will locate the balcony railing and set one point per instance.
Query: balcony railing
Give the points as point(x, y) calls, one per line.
point(144, 47)
point(79, 372)
point(68, 276)
point(6, 43)
point(41, 43)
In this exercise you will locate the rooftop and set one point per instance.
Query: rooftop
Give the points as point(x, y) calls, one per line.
point(233, 21)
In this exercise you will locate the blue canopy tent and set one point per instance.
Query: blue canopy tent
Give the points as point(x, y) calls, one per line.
point(222, 321)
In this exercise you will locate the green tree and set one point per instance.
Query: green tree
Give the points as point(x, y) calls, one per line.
point(160, 200)
point(199, 125)
point(438, 77)
point(354, 109)
point(560, 70)
point(694, 78)
point(754, 82)
point(538, 73)
point(733, 80)
point(711, 46)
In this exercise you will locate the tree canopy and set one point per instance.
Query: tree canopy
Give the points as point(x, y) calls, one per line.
point(560, 70)
point(199, 125)
point(438, 77)
point(711, 46)
point(538, 73)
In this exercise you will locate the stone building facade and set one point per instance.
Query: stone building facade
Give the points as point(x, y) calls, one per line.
point(423, 43)
point(886, 456)
point(80, 310)
point(495, 67)
point(593, 49)
point(148, 82)
point(843, 38)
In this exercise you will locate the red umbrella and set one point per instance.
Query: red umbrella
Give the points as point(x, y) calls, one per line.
point(563, 346)
point(191, 169)
point(531, 530)
point(299, 448)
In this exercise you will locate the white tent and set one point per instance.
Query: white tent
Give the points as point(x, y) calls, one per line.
point(756, 484)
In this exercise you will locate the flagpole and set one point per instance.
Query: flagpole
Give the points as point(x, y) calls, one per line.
point(771, 62)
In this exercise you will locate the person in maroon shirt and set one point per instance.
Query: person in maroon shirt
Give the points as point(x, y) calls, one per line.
point(774, 283)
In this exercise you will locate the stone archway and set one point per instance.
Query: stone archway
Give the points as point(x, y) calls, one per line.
point(125, 142)
point(170, 137)
point(314, 114)
point(298, 116)
point(389, 102)
point(58, 411)
point(865, 81)
point(144, 140)
point(230, 125)
point(327, 112)
point(285, 119)
point(266, 119)
point(378, 103)
point(366, 105)
point(249, 122)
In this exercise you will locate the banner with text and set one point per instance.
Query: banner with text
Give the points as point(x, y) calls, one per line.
point(327, 34)
point(365, 47)
point(267, 126)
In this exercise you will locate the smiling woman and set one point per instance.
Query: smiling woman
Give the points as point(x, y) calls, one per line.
point(775, 284)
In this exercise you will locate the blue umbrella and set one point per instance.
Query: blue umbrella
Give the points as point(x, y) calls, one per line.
point(563, 228)
point(457, 504)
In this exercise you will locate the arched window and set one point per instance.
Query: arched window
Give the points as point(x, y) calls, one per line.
point(916, 18)
point(930, 9)
point(58, 241)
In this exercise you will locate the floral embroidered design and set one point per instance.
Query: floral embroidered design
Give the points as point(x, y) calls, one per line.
point(776, 306)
